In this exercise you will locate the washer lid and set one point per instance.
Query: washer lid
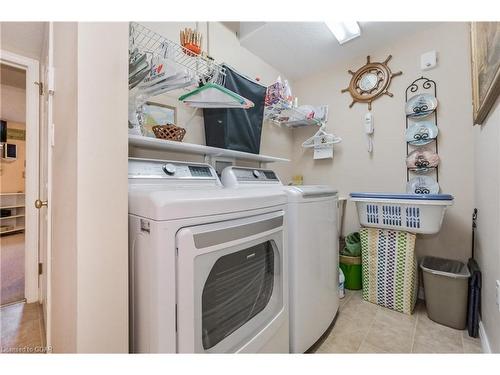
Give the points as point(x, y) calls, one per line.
point(309, 192)
point(152, 202)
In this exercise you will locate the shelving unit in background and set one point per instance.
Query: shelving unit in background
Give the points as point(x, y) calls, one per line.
point(13, 208)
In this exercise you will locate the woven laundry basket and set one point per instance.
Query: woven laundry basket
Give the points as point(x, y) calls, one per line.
point(389, 268)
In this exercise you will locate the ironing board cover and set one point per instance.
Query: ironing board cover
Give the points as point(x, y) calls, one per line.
point(389, 268)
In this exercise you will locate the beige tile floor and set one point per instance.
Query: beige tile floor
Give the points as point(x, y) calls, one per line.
point(363, 327)
point(21, 328)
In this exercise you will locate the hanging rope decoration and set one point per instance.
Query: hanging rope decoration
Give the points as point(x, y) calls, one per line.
point(370, 81)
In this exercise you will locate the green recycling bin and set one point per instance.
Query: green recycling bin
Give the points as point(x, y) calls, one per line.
point(351, 267)
point(350, 261)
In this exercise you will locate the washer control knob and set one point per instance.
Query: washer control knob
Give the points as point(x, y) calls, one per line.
point(256, 173)
point(169, 169)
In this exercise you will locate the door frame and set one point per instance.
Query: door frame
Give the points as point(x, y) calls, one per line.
point(46, 145)
point(31, 66)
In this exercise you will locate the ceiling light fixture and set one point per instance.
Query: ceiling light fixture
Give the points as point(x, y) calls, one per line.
point(344, 31)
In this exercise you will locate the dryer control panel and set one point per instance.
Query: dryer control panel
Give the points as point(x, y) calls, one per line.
point(165, 169)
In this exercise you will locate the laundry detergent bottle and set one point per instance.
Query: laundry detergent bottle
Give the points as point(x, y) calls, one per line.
point(341, 284)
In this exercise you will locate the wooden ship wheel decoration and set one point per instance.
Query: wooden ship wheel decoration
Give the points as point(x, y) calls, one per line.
point(370, 81)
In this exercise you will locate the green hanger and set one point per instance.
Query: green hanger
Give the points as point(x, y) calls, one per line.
point(234, 101)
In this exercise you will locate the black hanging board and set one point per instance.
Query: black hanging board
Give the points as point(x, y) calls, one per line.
point(234, 128)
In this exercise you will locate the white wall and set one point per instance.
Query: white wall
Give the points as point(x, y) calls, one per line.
point(487, 201)
point(13, 104)
point(90, 252)
point(354, 169)
point(102, 187)
point(64, 194)
point(224, 47)
point(23, 38)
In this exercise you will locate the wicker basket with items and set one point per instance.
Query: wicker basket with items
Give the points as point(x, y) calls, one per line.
point(169, 132)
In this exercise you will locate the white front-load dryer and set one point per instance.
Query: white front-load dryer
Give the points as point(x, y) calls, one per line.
point(208, 267)
point(312, 248)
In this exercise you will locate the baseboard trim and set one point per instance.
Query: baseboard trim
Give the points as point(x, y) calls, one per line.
point(13, 303)
point(485, 343)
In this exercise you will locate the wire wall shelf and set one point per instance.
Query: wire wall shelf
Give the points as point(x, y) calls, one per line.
point(203, 67)
point(283, 114)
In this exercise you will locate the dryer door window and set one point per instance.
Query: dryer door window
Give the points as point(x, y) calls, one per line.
point(231, 292)
point(238, 287)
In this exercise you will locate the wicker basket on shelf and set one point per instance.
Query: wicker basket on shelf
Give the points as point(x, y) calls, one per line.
point(169, 132)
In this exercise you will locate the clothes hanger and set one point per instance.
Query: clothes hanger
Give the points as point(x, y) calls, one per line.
point(159, 71)
point(331, 139)
point(137, 63)
point(138, 67)
point(169, 86)
point(165, 75)
point(137, 78)
point(136, 59)
point(212, 95)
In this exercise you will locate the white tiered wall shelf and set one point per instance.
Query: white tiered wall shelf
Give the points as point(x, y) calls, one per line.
point(191, 148)
point(12, 216)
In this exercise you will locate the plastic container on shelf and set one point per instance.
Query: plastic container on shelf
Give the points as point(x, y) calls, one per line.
point(446, 288)
point(408, 212)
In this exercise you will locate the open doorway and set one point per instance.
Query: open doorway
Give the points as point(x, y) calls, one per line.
point(21, 317)
point(13, 184)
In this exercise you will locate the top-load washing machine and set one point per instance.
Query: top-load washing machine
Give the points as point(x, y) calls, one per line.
point(208, 266)
point(312, 249)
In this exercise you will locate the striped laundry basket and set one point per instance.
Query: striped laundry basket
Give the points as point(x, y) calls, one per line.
point(389, 268)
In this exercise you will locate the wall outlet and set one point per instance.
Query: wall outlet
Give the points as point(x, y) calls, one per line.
point(428, 60)
point(498, 294)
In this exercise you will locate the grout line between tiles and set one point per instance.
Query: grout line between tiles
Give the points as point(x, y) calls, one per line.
point(368, 330)
point(348, 297)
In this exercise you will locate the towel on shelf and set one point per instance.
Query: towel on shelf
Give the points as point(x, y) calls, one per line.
point(389, 268)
